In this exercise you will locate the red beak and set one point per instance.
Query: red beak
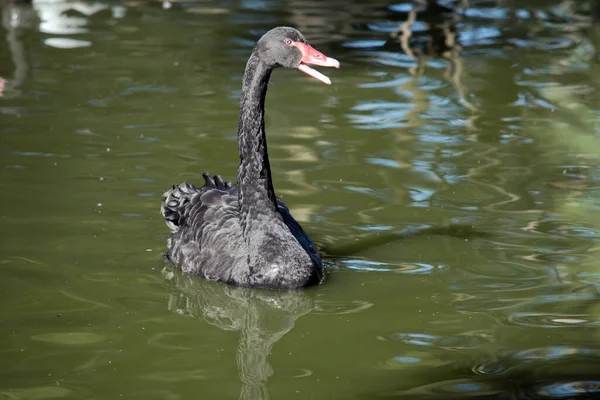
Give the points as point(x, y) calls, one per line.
point(310, 56)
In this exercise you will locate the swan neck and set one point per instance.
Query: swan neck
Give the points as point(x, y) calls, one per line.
point(256, 194)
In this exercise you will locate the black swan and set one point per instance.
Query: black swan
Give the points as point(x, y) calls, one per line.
point(244, 235)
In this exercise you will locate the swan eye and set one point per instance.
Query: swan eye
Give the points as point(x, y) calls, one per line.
point(288, 42)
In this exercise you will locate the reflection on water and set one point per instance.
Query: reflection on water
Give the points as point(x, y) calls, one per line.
point(261, 317)
point(474, 113)
point(16, 17)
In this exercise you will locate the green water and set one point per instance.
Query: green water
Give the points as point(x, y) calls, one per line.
point(499, 133)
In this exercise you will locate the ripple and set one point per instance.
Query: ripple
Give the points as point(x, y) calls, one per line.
point(364, 43)
point(418, 339)
point(70, 338)
point(463, 387)
point(374, 228)
point(293, 373)
point(564, 229)
point(381, 115)
point(494, 368)
point(487, 13)
point(401, 7)
point(543, 43)
point(38, 154)
point(176, 376)
point(341, 307)
point(505, 271)
point(132, 215)
point(415, 359)
point(148, 89)
point(384, 162)
point(403, 268)
point(483, 285)
point(102, 103)
point(393, 82)
point(138, 304)
point(548, 320)
point(407, 360)
point(565, 389)
point(466, 340)
point(173, 341)
point(36, 393)
point(555, 352)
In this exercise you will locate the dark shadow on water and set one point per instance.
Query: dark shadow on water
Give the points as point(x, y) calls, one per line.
point(261, 317)
point(459, 230)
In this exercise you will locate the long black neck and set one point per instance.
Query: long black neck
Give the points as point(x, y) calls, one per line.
point(256, 195)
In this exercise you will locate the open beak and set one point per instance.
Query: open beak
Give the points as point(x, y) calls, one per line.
point(311, 56)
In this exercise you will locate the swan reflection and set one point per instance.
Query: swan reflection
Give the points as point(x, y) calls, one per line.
point(262, 317)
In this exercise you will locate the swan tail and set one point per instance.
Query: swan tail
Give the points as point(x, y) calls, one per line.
point(215, 182)
point(177, 200)
point(175, 204)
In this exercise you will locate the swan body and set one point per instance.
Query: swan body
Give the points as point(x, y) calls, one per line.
point(244, 235)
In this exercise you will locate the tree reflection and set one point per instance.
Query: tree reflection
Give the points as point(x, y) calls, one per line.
point(15, 18)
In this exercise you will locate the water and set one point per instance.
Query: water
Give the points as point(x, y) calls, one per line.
point(106, 105)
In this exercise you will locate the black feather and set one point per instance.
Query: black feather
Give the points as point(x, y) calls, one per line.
point(244, 235)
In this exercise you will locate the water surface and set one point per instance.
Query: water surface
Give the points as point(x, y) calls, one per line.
point(483, 116)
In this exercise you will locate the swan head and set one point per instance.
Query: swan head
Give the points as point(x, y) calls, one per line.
point(286, 47)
